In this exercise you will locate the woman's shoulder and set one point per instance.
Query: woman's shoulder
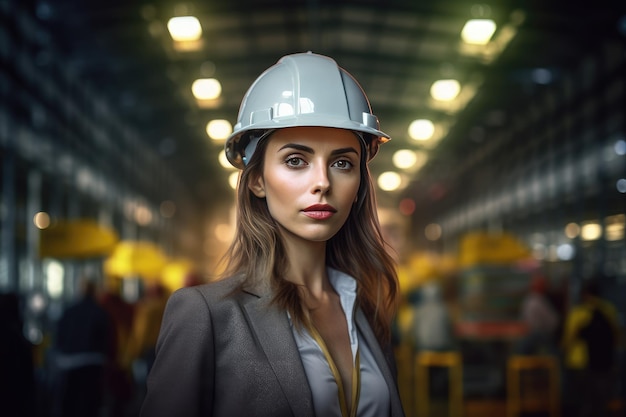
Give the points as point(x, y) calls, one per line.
point(213, 290)
point(234, 289)
point(221, 299)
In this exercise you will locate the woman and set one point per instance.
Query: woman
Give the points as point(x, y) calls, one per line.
point(300, 325)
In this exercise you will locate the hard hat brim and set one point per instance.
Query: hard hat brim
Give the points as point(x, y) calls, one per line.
point(238, 140)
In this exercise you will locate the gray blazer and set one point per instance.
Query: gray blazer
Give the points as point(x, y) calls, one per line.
point(228, 354)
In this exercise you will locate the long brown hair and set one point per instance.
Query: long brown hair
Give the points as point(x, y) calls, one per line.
point(358, 249)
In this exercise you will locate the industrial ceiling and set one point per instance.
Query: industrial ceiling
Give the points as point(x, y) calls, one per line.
point(396, 49)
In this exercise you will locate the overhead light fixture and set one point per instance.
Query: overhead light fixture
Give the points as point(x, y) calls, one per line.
point(591, 230)
point(206, 89)
point(184, 28)
point(432, 232)
point(421, 129)
point(389, 181)
point(409, 160)
point(614, 227)
point(233, 179)
point(445, 90)
point(478, 31)
point(219, 129)
point(41, 220)
point(572, 230)
point(404, 158)
point(565, 251)
point(223, 160)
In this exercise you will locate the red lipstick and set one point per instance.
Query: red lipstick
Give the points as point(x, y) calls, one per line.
point(319, 211)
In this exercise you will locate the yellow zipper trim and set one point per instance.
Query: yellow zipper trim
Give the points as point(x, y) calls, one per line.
point(356, 383)
point(356, 377)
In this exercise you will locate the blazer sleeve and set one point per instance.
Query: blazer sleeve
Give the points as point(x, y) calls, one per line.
point(181, 381)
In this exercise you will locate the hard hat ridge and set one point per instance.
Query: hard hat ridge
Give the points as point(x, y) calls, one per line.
point(303, 89)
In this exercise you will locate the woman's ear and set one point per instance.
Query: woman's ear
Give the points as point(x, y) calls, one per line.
point(257, 186)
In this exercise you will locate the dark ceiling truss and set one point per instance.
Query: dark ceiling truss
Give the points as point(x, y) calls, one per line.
point(396, 49)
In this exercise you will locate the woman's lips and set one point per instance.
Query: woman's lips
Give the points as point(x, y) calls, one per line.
point(319, 211)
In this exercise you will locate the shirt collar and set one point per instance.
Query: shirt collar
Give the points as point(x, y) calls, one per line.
point(345, 286)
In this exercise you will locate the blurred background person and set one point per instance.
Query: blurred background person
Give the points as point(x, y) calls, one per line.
point(82, 349)
point(432, 327)
point(140, 351)
point(590, 342)
point(17, 379)
point(541, 319)
point(433, 330)
point(118, 377)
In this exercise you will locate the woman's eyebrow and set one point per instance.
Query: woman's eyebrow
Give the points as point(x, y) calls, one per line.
point(310, 150)
point(297, 147)
point(344, 150)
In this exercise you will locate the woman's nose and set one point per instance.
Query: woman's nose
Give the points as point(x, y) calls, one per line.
point(321, 181)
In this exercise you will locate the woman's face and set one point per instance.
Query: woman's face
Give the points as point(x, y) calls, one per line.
point(310, 180)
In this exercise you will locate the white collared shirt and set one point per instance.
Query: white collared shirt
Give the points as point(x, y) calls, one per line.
point(374, 400)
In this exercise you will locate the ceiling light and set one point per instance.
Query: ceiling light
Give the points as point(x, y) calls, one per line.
point(41, 220)
point(143, 215)
point(54, 278)
point(404, 158)
point(389, 181)
point(572, 230)
point(219, 129)
point(184, 28)
point(614, 227)
point(409, 160)
point(206, 89)
point(478, 31)
point(406, 206)
point(445, 90)
point(565, 252)
point(233, 179)
point(224, 161)
point(432, 232)
point(421, 129)
point(541, 76)
point(591, 231)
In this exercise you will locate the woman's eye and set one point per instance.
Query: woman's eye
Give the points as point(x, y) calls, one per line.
point(343, 164)
point(294, 161)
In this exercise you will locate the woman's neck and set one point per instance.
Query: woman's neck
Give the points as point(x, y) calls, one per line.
point(306, 265)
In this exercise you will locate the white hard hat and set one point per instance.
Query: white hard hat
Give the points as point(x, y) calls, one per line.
point(303, 89)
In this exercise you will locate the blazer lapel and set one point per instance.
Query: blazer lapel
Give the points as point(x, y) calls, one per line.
point(381, 360)
point(272, 328)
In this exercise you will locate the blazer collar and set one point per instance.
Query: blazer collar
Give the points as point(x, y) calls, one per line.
point(273, 331)
point(382, 360)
